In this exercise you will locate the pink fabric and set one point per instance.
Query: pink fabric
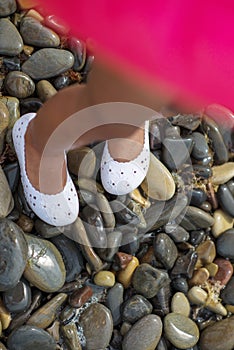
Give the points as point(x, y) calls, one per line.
point(185, 48)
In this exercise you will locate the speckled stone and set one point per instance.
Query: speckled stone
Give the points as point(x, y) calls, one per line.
point(222, 173)
point(7, 7)
point(97, 325)
point(19, 84)
point(6, 199)
point(225, 270)
point(12, 104)
point(180, 330)
point(47, 63)
point(180, 304)
point(114, 302)
point(104, 279)
point(36, 34)
point(227, 294)
point(212, 338)
point(45, 90)
point(165, 250)
point(11, 43)
point(135, 308)
point(222, 222)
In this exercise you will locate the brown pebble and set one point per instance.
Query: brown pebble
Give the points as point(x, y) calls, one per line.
point(80, 296)
point(199, 277)
point(125, 276)
point(206, 253)
point(123, 259)
point(25, 223)
point(137, 197)
point(149, 257)
point(225, 270)
point(212, 196)
point(34, 14)
point(212, 268)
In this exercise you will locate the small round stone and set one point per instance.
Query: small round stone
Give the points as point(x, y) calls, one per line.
point(7, 7)
point(125, 276)
point(104, 279)
point(225, 271)
point(227, 294)
point(165, 250)
point(19, 84)
point(135, 308)
point(180, 304)
point(197, 295)
point(222, 223)
point(80, 296)
point(225, 244)
point(180, 284)
point(45, 90)
point(206, 253)
point(11, 43)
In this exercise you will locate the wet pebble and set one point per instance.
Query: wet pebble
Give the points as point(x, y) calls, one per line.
point(94, 226)
point(125, 276)
point(104, 278)
point(30, 337)
point(165, 250)
point(176, 152)
point(227, 294)
point(114, 301)
point(226, 199)
point(185, 264)
point(25, 223)
point(177, 233)
point(225, 244)
point(18, 298)
point(144, 334)
point(80, 296)
point(82, 162)
point(206, 252)
point(200, 148)
point(222, 222)
point(7, 7)
point(195, 218)
point(198, 196)
point(19, 84)
point(136, 308)
point(180, 304)
point(97, 325)
point(47, 63)
point(222, 173)
point(180, 284)
point(199, 277)
point(77, 47)
point(180, 330)
point(45, 90)
point(225, 271)
point(11, 43)
point(71, 337)
point(6, 199)
point(12, 104)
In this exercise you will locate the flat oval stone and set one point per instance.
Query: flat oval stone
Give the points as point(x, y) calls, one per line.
point(45, 267)
point(165, 250)
point(180, 330)
point(226, 199)
point(29, 337)
point(94, 226)
point(180, 304)
point(144, 334)
point(197, 296)
point(80, 296)
point(114, 301)
point(159, 183)
point(106, 211)
point(177, 233)
point(202, 171)
point(6, 199)
point(135, 308)
point(200, 148)
point(36, 34)
point(147, 280)
point(104, 278)
point(18, 299)
point(195, 218)
point(125, 276)
point(13, 257)
point(206, 252)
point(227, 294)
point(225, 244)
point(97, 325)
point(222, 223)
point(222, 173)
point(45, 90)
point(47, 63)
point(19, 84)
point(225, 270)
point(7, 7)
point(11, 43)
point(212, 338)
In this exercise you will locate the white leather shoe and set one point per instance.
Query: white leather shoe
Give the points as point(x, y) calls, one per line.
point(123, 177)
point(56, 209)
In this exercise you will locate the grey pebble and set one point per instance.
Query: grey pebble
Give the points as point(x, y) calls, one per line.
point(165, 250)
point(226, 199)
point(227, 294)
point(7, 7)
point(176, 151)
point(11, 43)
point(135, 308)
point(114, 301)
point(177, 233)
point(18, 298)
point(225, 244)
point(200, 148)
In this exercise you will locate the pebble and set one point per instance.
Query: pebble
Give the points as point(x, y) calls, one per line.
point(227, 294)
point(114, 302)
point(197, 296)
point(5, 316)
point(71, 337)
point(212, 268)
point(148, 280)
point(199, 277)
point(177, 233)
point(225, 243)
point(77, 47)
point(19, 84)
point(25, 223)
point(225, 271)
point(13, 248)
point(94, 226)
point(198, 196)
point(188, 121)
point(195, 218)
point(113, 242)
point(200, 148)
point(61, 82)
point(144, 334)
point(97, 325)
point(108, 217)
point(185, 264)
point(47, 63)
point(222, 223)
point(123, 214)
point(165, 250)
point(222, 173)
point(206, 253)
point(212, 338)
point(180, 330)
point(122, 260)
point(197, 236)
point(176, 151)
point(30, 104)
point(80, 296)
point(180, 304)
point(82, 162)
point(11, 43)
point(45, 315)
point(30, 337)
point(104, 279)
point(45, 90)
point(159, 183)
point(216, 307)
point(202, 171)
point(4, 117)
point(125, 276)
point(180, 284)
point(18, 298)
point(36, 34)
point(12, 104)
point(6, 199)
point(135, 308)
point(7, 7)
point(226, 199)
point(45, 267)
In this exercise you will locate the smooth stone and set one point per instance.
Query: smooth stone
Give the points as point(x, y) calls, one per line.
point(123, 214)
point(122, 260)
point(12, 104)
point(144, 334)
point(180, 330)
point(212, 338)
point(86, 198)
point(30, 105)
point(45, 267)
point(45, 90)
point(104, 278)
point(12, 173)
point(130, 241)
point(206, 253)
point(71, 337)
point(197, 296)
point(25, 223)
point(5, 316)
point(225, 271)
point(7, 7)
point(114, 300)
point(225, 244)
point(176, 151)
point(198, 196)
point(226, 199)
point(180, 304)
point(18, 298)
point(45, 230)
point(202, 171)
point(159, 183)
point(161, 302)
point(30, 337)
point(19, 84)
point(45, 315)
point(222, 173)
point(172, 132)
point(113, 242)
point(148, 280)
point(72, 257)
point(230, 185)
point(199, 277)
point(125, 276)
point(180, 284)
point(47, 63)
point(106, 211)
point(139, 198)
point(11, 43)
point(187, 121)
point(36, 34)
point(177, 233)
point(78, 49)
point(4, 117)
point(13, 258)
point(82, 162)
point(80, 296)
point(227, 294)
point(195, 218)
point(135, 308)
point(212, 269)
point(94, 225)
point(125, 327)
point(197, 236)
point(6, 199)
point(200, 148)
point(97, 325)
point(185, 264)
point(222, 223)
point(218, 145)
point(216, 307)
point(61, 82)
point(165, 250)
point(206, 206)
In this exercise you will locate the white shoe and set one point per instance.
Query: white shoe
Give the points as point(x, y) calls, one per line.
point(56, 209)
point(123, 177)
